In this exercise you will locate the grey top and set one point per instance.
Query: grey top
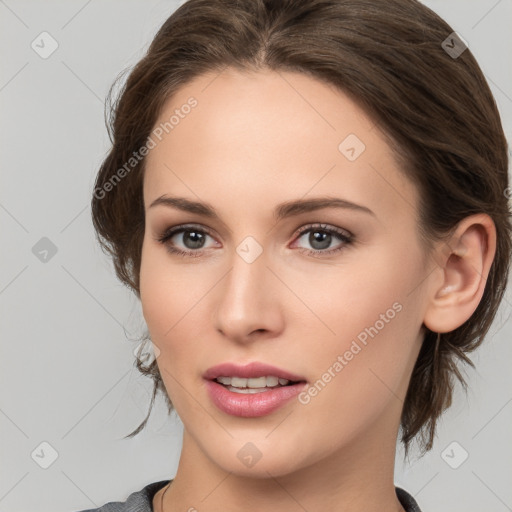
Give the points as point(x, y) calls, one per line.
point(142, 501)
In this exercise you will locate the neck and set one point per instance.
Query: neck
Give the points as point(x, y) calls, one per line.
point(357, 477)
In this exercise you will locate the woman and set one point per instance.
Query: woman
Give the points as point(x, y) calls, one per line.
point(310, 200)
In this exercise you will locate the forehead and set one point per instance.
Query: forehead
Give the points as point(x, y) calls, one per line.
point(265, 134)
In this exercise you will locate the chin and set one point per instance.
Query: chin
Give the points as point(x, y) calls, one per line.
point(254, 457)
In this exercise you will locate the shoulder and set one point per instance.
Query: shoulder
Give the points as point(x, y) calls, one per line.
point(142, 501)
point(407, 501)
point(138, 501)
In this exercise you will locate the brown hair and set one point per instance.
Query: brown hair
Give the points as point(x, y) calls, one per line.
point(387, 55)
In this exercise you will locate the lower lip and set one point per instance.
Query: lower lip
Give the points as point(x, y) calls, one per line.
point(251, 405)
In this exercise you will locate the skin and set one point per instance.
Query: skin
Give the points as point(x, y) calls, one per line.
point(253, 141)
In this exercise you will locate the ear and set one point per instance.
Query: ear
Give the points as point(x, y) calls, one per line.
point(458, 283)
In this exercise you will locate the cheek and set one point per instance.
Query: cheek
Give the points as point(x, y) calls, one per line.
point(363, 372)
point(152, 297)
point(165, 301)
point(370, 318)
point(173, 305)
point(365, 286)
point(162, 294)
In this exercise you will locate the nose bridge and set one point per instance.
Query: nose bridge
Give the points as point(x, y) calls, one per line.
point(245, 284)
point(246, 303)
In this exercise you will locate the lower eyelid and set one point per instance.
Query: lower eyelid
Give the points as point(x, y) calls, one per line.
point(344, 241)
point(343, 236)
point(166, 237)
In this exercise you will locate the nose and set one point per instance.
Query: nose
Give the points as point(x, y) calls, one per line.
point(247, 303)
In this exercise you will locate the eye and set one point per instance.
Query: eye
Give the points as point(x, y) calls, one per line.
point(321, 236)
point(192, 237)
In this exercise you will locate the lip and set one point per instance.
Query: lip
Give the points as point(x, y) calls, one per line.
point(251, 370)
point(251, 405)
point(255, 404)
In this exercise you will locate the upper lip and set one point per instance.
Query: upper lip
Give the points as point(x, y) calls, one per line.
point(255, 369)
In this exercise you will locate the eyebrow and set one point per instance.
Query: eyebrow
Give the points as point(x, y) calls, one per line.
point(283, 210)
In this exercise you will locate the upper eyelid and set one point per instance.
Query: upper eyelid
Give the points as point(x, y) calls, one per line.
point(323, 226)
point(320, 226)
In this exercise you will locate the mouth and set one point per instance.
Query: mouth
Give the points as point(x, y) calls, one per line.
point(252, 390)
point(253, 385)
point(251, 376)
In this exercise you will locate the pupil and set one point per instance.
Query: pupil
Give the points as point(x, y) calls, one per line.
point(324, 238)
point(195, 244)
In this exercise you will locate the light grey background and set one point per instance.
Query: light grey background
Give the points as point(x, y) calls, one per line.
point(66, 366)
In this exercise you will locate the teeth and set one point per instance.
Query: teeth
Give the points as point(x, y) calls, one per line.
point(224, 380)
point(254, 383)
point(248, 391)
point(273, 381)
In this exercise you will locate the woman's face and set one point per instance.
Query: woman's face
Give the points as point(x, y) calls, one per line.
point(333, 295)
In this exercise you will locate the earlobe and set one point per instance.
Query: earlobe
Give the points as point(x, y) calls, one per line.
point(458, 284)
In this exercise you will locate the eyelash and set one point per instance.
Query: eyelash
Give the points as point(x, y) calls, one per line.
point(346, 237)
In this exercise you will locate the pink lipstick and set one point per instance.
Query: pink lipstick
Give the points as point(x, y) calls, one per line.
point(253, 390)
